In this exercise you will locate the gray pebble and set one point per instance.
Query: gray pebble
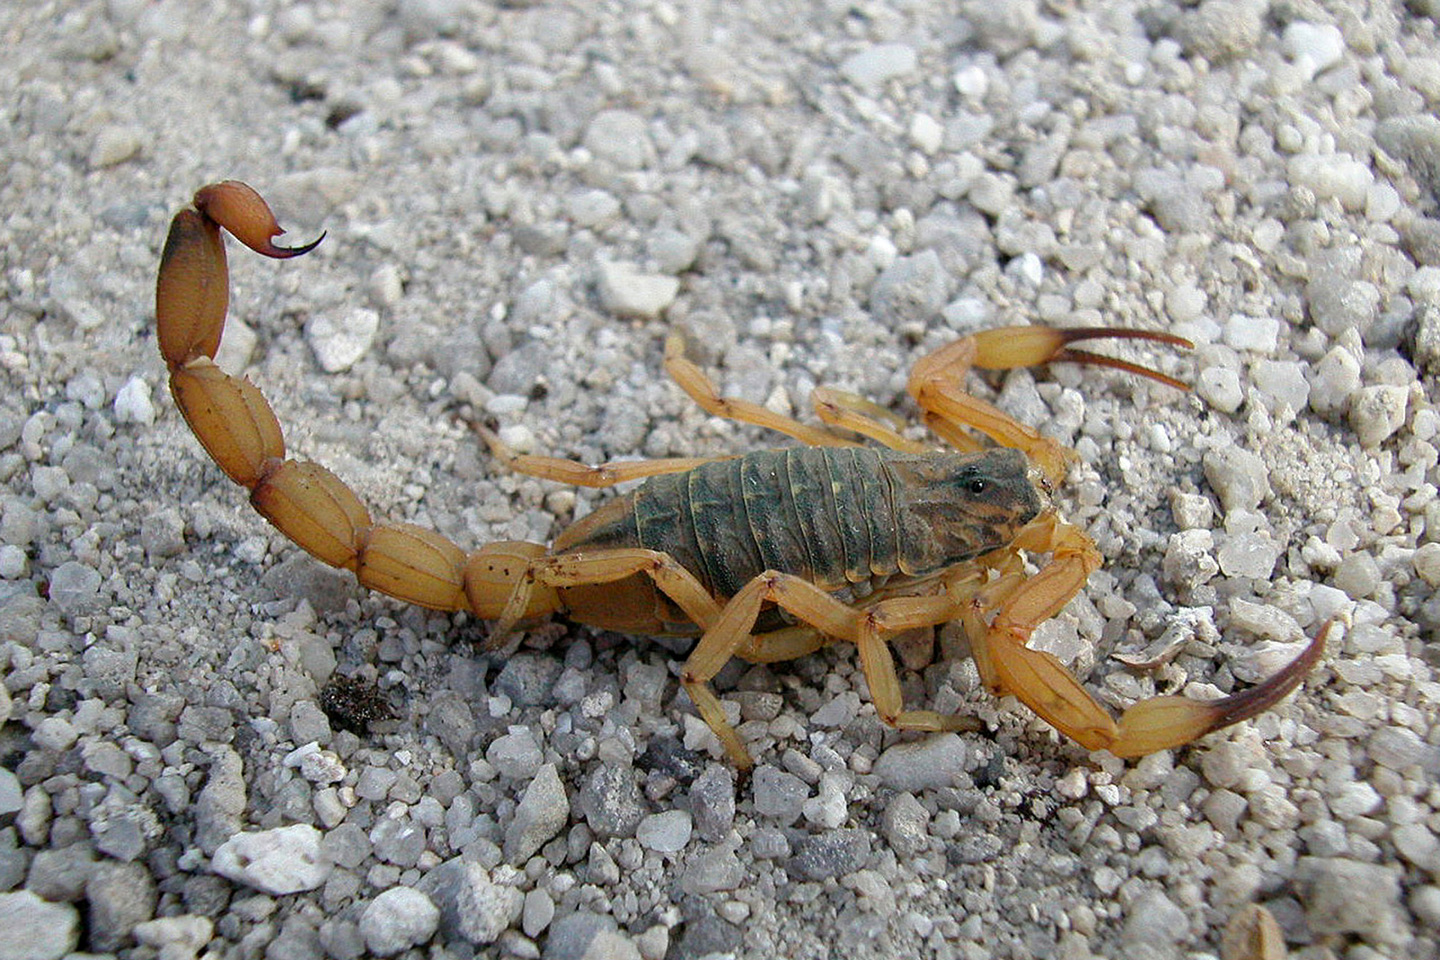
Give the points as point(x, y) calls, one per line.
point(516, 755)
point(1338, 303)
point(527, 678)
point(176, 938)
point(308, 723)
point(537, 913)
point(471, 905)
point(665, 832)
point(712, 802)
point(621, 137)
point(904, 823)
point(875, 65)
point(831, 854)
point(119, 896)
point(400, 841)
point(35, 929)
point(398, 919)
point(75, 587)
point(610, 801)
point(1283, 383)
point(1337, 377)
point(347, 845)
point(60, 874)
point(452, 721)
point(221, 804)
point(1153, 922)
point(920, 765)
point(1347, 896)
point(712, 871)
point(1221, 30)
point(1397, 748)
point(162, 533)
point(779, 795)
point(913, 288)
point(541, 814)
point(12, 796)
point(1415, 141)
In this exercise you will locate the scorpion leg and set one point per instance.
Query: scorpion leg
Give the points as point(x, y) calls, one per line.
point(730, 636)
point(580, 474)
point(704, 392)
point(850, 411)
point(1042, 683)
point(937, 383)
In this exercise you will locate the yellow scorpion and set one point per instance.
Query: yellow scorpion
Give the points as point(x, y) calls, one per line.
point(766, 556)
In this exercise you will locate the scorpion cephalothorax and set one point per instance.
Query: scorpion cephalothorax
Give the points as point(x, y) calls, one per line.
point(766, 556)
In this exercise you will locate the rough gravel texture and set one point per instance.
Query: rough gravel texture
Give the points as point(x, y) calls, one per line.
point(521, 200)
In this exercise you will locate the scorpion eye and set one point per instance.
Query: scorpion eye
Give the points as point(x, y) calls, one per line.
point(976, 485)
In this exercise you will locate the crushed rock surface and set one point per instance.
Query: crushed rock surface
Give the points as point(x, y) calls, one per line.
point(522, 200)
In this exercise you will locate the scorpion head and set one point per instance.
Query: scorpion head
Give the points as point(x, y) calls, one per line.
point(953, 508)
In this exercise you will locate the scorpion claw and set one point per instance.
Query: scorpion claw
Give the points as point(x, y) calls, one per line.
point(239, 209)
point(1010, 347)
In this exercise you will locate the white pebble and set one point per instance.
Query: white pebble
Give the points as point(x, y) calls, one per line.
point(665, 832)
point(1256, 334)
point(1314, 46)
point(1427, 563)
point(926, 133)
point(278, 862)
point(625, 292)
point(1337, 376)
point(337, 346)
point(13, 562)
point(1283, 382)
point(972, 82)
point(132, 403)
point(1220, 387)
point(885, 61)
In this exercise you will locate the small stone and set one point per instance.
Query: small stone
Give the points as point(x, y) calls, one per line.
point(1347, 896)
point(118, 896)
point(779, 795)
point(162, 533)
point(1220, 387)
point(1377, 412)
point(1248, 555)
point(1283, 383)
point(666, 832)
point(114, 145)
point(929, 764)
point(1239, 478)
point(832, 854)
point(874, 66)
point(398, 919)
point(1414, 139)
point(1151, 922)
point(133, 404)
point(626, 292)
point(712, 802)
point(926, 133)
point(537, 913)
point(1358, 575)
point(1338, 303)
point(338, 345)
point(1397, 748)
point(610, 802)
point(75, 587)
point(1314, 46)
point(1337, 377)
point(36, 929)
point(542, 813)
point(176, 938)
point(280, 861)
point(621, 137)
point(1220, 30)
point(713, 871)
point(471, 904)
point(911, 289)
point(516, 755)
point(905, 824)
point(1188, 561)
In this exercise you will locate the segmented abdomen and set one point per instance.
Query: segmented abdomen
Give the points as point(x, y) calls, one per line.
point(823, 513)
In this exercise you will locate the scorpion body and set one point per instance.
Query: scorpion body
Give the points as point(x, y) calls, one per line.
point(846, 519)
point(766, 556)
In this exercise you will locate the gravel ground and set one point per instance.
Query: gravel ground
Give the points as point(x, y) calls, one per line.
point(522, 199)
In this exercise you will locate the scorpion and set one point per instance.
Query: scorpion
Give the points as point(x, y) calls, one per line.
point(767, 556)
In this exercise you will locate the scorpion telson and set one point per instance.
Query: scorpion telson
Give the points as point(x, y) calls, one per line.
point(767, 556)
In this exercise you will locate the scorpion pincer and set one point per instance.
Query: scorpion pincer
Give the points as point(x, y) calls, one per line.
point(766, 556)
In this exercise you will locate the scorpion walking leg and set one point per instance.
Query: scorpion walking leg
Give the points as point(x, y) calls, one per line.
point(704, 392)
point(580, 474)
point(730, 636)
point(1043, 684)
point(937, 383)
